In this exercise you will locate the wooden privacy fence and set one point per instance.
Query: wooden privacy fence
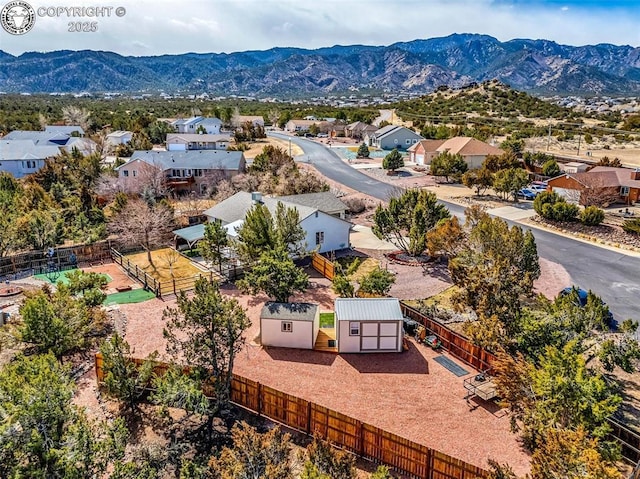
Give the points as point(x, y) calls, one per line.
point(323, 266)
point(342, 431)
point(457, 345)
point(136, 273)
point(63, 258)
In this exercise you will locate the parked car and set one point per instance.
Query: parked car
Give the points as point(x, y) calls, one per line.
point(527, 194)
point(582, 300)
point(323, 135)
point(538, 186)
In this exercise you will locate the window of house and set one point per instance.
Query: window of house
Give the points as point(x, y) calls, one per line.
point(407, 141)
point(134, 173)
point(125, 173)
point(624, 191)
point(354, 329)
point(287, 326)
point(319, 237)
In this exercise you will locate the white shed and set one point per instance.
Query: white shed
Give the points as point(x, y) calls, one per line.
point(289, 325)
point(368, 325)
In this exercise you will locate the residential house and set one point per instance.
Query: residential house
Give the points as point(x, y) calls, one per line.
point(195, 141)
point(70, 130)
point(23, 157)
point(358, 130)
point(53, 138)
point(324, 201)
point(289, 325)
point(184, 171)
point(422, 152)
point(211, 126)
point(323, 231)
point(119, 137)
point(239, 120)
point(297, 126)
point(368, 325)
point(573, 167)
point(611, 185)
point(472, 151)
point(392, 136)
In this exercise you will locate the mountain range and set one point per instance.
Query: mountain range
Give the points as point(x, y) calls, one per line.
point(535, 66)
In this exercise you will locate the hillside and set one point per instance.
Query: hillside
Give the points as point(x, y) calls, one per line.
point(538, 66)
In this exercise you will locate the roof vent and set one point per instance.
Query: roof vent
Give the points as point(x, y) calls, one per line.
point(256, 197)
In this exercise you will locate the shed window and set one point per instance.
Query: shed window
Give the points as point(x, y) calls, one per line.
point(319, 237)
point(624, 191)
point(287, 326)
point(354, 329)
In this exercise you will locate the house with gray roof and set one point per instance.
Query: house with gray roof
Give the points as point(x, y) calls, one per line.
point(323, 232)
point(53, 138)
point(211, 126)
point(196, 141)
point(23, 157)
point(185, 171)
point(392, 136)
point(65, 129)
point(324, 201)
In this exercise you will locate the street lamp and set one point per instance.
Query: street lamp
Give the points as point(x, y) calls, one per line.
point(290, 147)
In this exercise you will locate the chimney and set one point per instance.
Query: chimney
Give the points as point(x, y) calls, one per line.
point(635, 174)
point(256, 197)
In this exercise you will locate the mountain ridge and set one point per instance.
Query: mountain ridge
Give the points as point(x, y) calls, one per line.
point(539, 66)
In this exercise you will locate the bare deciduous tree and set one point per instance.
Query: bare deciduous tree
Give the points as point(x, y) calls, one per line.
point(144, 225)
point(76, 116)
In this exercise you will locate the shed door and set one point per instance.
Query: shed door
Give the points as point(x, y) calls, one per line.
point(389, 336)
point(369, 336)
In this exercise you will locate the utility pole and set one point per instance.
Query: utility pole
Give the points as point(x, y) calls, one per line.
point(549, 137)
point(579, 138)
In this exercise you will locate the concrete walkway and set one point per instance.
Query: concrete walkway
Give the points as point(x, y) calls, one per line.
point(363, 237)
point(514, 212)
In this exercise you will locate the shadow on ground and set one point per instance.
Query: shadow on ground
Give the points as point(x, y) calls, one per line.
point(407, 362)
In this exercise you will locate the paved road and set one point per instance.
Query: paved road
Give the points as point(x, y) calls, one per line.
point(612, 275)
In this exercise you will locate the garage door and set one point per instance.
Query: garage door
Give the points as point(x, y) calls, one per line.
point(571, 196)
point(420, 159)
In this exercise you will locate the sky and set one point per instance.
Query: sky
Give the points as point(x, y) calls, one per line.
point(156, 27)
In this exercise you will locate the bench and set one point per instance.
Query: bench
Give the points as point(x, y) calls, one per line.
point(122, 289)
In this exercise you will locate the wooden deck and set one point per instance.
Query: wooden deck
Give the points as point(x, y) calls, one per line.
point(323, 338)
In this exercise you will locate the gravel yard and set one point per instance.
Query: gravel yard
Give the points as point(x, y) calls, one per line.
point(408, 394)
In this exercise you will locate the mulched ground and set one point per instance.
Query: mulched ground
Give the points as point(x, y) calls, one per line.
point(119, 278)
point(408, 394)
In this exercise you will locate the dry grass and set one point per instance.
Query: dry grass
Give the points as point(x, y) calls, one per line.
point(365, 268)
point(444, 299)
point(258, 145)
point(160, 269)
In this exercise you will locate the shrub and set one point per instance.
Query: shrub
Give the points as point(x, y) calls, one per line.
point(592, 216)
point(355, 205)
point(550, 168)
point(363, 151)
point(553, 207)
point(632, 226)
point(377, 282)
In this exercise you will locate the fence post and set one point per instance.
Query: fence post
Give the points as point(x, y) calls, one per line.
point(173, 280)
point(259, 399)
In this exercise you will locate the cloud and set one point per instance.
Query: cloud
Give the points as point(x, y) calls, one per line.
point(166, 27)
